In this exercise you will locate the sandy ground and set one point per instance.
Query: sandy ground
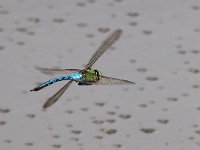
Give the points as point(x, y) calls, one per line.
point(159, 50)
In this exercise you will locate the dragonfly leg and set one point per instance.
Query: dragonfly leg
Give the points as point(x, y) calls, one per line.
point(84, 83)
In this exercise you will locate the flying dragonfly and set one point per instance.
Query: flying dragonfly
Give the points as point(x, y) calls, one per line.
point(86, 76)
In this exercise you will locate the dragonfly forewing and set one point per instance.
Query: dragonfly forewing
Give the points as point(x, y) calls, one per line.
point(108, 42)
point(54, 71)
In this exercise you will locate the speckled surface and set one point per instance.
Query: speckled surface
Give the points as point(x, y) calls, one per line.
point(159, 50)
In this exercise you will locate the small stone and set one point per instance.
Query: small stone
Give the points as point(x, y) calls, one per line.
point(147, 130)
point(111, 131)
point(76, 131)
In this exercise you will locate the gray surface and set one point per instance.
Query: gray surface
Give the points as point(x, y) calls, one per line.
point(159, 50)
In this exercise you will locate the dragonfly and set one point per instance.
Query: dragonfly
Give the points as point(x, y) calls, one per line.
point(86, 76)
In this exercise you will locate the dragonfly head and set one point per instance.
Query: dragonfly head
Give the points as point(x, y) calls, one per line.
point(92, 74)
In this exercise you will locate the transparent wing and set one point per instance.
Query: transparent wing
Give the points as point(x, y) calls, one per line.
point(111, 39)
point(56, 96)
point(52, 71)
point(112, 81)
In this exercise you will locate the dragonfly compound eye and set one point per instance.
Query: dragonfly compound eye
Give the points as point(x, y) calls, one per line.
point(97, 74)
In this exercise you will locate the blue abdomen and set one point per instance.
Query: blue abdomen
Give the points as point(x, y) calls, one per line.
point(75, 77)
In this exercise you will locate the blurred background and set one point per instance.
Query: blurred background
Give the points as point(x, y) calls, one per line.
point(159, 50)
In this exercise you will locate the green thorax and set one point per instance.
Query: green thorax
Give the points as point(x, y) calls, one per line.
point(91, 75)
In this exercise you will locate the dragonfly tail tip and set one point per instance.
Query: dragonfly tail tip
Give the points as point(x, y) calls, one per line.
point(33, 90)
point(36, 89)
